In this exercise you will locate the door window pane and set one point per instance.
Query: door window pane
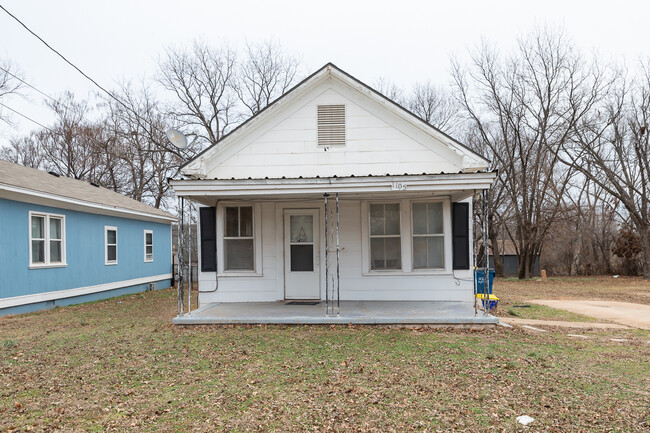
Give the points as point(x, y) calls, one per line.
point(302, 258)
point(239, 254)
point(38, 251)
point(302, 228)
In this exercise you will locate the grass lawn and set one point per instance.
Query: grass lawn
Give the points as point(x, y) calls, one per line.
point(119, 365)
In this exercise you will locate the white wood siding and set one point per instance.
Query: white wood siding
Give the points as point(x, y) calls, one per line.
point(355, 283)
point(378, 142)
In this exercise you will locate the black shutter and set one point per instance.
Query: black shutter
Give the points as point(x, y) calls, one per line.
point(460, 235)
point(208, 239)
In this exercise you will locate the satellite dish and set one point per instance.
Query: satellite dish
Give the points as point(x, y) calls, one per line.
point(176, 138)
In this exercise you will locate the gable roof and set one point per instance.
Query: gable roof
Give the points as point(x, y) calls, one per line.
point(27, 181)
point(331, 69)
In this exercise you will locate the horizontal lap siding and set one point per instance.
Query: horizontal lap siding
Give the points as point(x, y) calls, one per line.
point(373, 146)
point(84, 251)
point(354, 285)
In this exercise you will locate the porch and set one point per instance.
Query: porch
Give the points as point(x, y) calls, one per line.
point(440, 313)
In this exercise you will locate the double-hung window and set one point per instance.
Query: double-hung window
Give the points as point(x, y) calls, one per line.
point(385, 239)
point(238, 239)
point(46, 239)
point(428, 235)
point(110, 245)
point(148, 245)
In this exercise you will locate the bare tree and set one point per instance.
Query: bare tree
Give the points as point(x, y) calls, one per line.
point(134, 146)
point(611, 147)
point(24, 151)
point(436, 106)
point(265, 74)
point(69, 145)
point(525, 108)
point(10, 83)
point(390, 90)
point(201, 80)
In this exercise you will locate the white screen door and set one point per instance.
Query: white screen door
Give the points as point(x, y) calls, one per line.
point(301, 254)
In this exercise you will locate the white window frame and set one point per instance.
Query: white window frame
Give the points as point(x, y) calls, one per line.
point(106, 245)
point(257, 240)
point(47, 263)
point(445, 259)
point(148, 260)
point(407, 238)
point(399, 236)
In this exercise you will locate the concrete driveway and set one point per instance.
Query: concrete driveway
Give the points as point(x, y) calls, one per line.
point(625, 313)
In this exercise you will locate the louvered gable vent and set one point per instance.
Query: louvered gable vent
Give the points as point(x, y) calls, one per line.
point(331, 125)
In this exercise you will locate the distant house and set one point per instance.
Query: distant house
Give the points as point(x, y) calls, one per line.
point(64, 241)
point(509, 259)
point(334, 192)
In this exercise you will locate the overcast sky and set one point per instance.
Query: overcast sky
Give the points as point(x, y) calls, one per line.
point(403, 41)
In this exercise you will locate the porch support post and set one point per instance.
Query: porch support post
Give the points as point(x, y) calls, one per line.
point(338, 249)
point(179, 252)
point(486, 275)
point(475, 248)
point(327, 299)
point(189, 255)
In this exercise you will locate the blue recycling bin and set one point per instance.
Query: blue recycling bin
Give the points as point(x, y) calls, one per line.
point(479, 275)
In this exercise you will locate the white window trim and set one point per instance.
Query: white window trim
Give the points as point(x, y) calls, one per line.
point(47, 264)
point(257, 240)
point(145, 246)
point(106, 261)
point(444, 235)
point(400, 235)
point(407, 238)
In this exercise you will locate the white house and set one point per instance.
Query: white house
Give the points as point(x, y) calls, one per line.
point(334, 164)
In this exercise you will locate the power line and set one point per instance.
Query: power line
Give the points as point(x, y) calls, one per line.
point(74, 66)
point(28, 118)
point(26, 83)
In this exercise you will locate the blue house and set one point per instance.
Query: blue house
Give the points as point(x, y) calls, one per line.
point(64, 241)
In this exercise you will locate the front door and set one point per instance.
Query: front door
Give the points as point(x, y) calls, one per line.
point(301, 254)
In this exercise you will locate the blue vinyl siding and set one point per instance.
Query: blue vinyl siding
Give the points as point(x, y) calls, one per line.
point(84, 242)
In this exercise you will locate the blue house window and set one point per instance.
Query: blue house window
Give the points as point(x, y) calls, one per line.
point(46, 240)
point(148, 245)
point(110, 245)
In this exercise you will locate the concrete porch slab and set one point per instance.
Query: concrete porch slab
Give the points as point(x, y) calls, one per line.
point(355, 312)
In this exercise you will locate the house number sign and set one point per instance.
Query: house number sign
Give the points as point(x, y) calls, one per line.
point(398, 186)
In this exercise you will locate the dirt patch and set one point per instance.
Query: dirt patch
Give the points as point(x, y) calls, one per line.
point(626, 313)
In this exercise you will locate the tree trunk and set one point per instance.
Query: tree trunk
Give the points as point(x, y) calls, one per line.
point(496, 254)
point(645, 253)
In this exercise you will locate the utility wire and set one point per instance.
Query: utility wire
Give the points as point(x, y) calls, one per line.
point(28, 118)
point(74, 66)
point(26, 83)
